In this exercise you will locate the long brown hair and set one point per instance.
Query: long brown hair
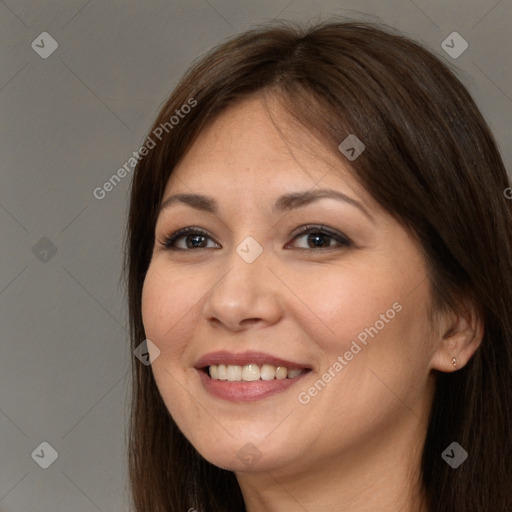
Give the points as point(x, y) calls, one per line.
point(430, 160)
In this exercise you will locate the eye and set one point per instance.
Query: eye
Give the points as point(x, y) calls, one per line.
point(314, 236)
point(321, 237)
point(188, 238)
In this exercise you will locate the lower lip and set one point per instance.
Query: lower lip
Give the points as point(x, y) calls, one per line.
point(241, 391)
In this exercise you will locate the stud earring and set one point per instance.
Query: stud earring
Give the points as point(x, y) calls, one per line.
point(454, 362)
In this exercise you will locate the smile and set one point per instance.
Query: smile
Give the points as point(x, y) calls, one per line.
point(248, 376)
point(252, 372)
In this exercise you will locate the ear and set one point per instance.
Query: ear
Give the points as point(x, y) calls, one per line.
point(459, 335)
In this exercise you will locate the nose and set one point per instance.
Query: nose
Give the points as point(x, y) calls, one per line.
point(247, 295)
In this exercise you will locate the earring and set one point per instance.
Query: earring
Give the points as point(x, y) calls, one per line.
point(454, 362)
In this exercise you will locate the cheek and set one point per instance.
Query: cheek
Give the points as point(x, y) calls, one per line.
point(340, 303)
point(374, 319)
point(168, 302)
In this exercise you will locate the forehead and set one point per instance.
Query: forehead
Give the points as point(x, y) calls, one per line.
point(255, 146)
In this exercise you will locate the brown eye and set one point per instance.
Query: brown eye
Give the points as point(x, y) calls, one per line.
point(319, 237)
point(188, 238)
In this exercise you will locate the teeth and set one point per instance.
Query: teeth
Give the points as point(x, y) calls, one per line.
point(268, 372)
point(222, 372)
point(214, 372)
point(281, 372)
point(252, 372)
point(294, 373)
point(234, 373)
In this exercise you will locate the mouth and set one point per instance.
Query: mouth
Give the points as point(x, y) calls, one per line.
point(249, 376)
point(252, 372)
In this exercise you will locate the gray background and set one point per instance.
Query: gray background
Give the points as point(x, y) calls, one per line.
point(68, 123)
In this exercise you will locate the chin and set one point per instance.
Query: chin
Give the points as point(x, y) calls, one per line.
point(246, 453)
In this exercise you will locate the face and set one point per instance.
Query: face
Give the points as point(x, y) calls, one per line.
point(295, 286)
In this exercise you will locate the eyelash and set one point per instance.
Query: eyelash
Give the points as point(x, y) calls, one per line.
point(169, 241)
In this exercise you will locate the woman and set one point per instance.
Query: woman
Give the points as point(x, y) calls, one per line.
point(319, 257)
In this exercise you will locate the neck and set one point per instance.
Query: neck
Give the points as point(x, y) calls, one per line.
point(382, 473)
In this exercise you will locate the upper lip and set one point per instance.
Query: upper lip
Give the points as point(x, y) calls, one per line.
point(244, 358)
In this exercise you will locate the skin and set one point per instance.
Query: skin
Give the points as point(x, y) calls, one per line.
point(356, 445)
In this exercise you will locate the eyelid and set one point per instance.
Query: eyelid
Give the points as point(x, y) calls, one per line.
point(315, 227)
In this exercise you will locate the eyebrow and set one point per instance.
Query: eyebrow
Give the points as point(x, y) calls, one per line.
point(283, 203)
